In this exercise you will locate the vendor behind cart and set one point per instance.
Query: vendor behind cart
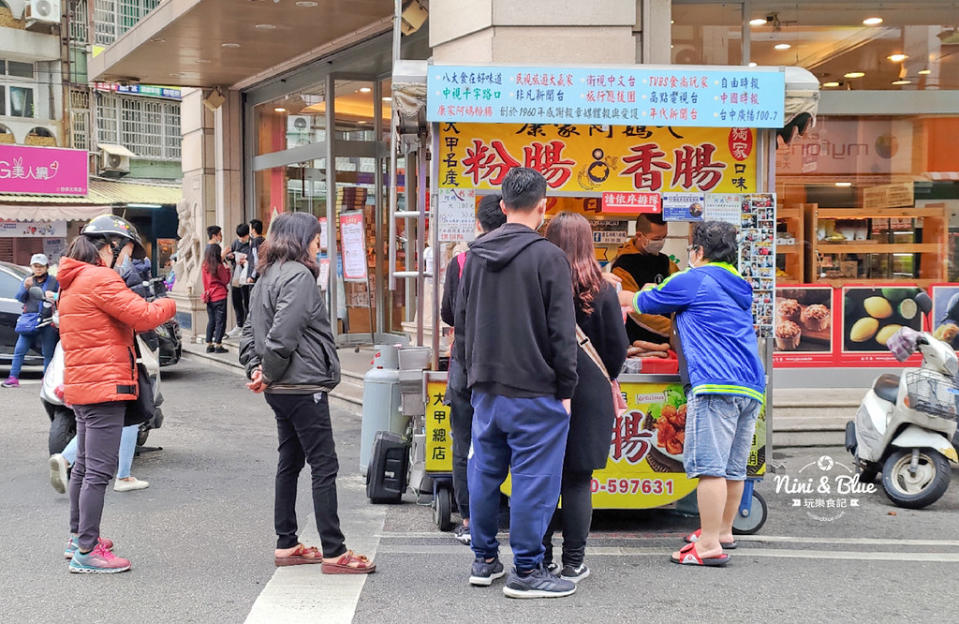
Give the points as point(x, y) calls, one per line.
point(641, 261)
point(714, 321)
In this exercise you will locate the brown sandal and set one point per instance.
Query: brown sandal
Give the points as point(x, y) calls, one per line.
point(302, 555)
point(342, 565)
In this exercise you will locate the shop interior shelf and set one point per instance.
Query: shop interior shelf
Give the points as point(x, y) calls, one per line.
point(838, 282)
point(877, 213)
point(864, 247)
point(787, 249)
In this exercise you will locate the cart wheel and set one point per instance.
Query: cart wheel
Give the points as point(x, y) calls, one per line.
point(442, 508)
point(755, 520)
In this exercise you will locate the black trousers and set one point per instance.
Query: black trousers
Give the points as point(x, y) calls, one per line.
point(305, 435)
point(215, 321)
point(461, 420)
point(240, 296)
point(573, 519)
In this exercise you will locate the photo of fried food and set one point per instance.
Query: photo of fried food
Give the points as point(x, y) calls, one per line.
point(671, 429)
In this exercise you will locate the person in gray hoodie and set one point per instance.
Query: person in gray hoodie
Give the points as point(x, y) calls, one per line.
point(289, 354)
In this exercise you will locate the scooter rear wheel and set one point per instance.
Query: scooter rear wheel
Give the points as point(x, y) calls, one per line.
point(922, 489)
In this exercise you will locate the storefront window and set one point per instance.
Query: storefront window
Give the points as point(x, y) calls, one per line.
point(298, 187)
point(291, 121)
point(868, 213)
point(894, 46)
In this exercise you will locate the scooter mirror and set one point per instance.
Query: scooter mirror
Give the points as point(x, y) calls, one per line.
point(924, 302)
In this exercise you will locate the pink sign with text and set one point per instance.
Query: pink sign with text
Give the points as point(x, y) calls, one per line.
point(43, 170)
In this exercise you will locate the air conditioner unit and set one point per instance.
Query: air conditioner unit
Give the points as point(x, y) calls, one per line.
point(114, 160)
point(42, 13)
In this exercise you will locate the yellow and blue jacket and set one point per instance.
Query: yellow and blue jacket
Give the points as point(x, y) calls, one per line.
point(713, 306)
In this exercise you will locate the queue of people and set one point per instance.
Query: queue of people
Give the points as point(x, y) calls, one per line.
point(539, 340)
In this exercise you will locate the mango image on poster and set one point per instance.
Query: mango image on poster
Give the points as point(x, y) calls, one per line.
point(886, 333)
point(877, 307)
point(863, 329)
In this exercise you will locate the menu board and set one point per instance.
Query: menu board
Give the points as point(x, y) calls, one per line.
point(647, 94)
point(456, 218)
point(726, 207)
point(683, 206)
point(353, 240)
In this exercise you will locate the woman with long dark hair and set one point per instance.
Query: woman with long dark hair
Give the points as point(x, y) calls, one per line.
point(289, 354)
point(99, 316)
point(598, 314)
point(216, 283)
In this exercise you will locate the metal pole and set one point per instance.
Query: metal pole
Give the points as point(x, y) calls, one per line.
point(747, 10)
point(397, 22)
point(421, 240)
point(766, 183)
point(435, 238)
point(378, 209)
point(331, 199)
point(409, 188)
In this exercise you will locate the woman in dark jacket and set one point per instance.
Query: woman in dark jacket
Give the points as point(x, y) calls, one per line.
point(290, 355)
point(599, 315)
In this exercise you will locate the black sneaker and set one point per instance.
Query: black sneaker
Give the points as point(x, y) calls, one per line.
point(485, 572)
point(537, 584)
point(553, 568)
point(574, 573)
point(462, 535)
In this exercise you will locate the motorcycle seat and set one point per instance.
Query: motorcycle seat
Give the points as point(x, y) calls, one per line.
point(887, 387)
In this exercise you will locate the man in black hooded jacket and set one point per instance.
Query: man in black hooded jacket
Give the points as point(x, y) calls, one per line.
point(515, 334)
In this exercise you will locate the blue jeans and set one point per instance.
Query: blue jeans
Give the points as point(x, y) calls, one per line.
point(44, 341)
point(528, 437)
point(719, 435)
point(128, 446)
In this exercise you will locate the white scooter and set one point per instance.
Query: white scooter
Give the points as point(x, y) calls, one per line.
point(906, 426)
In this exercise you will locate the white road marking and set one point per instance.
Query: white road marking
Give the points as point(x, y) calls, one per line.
point(619, 551)
point(303, 594)
point(864, 541)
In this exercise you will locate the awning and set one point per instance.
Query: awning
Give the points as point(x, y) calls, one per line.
point(206, 43)
point(102, 197)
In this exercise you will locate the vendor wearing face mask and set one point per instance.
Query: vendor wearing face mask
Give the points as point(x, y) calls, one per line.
point(639, 262)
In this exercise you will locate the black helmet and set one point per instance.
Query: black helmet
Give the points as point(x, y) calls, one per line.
point(112, 226)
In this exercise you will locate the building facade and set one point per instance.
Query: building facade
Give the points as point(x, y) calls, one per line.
point(291, 110)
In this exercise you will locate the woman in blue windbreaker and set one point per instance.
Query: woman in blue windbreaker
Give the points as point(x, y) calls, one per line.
point(713, 306)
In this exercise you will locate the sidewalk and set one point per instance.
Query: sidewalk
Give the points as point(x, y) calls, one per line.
point(802, 417)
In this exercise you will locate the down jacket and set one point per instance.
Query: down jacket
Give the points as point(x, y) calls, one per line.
point(99, 316)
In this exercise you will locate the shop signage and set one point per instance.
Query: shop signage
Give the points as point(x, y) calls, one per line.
point(668, 95)
point(32, 229)
point(632, 203)
point(353, 239)
point(609, 232)
point(757, 256)
point(889, 195)
point(43, 170)
point(578, 159)
point(170, 93)
point(726, 207)
point(456, 219)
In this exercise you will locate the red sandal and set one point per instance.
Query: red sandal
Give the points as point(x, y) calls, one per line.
point(342, 565)
point(689, 556)
point(302, 555)
point(693, 537)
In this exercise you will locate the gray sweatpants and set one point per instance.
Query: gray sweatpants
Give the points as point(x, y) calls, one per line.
point(99, 427)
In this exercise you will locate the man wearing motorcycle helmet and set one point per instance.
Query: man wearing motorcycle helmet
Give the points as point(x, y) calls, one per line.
point(99, 316)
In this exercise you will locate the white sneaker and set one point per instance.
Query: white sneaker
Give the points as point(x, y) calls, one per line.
point(122, 485)
point(58, 472)
point(233, 333)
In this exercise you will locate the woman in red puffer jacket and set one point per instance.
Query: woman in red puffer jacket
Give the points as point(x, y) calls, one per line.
point(99, 317)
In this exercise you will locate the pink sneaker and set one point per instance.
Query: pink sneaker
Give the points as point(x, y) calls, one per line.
point(98, 561)
point(11, 382)
point(72, 545)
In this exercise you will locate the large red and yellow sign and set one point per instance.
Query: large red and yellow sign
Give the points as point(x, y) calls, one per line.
point(593, 159)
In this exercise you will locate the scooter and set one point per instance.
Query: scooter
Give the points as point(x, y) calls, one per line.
point(62, 417)
point(906, 426)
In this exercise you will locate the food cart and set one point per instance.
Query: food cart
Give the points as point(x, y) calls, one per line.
point(689, 142)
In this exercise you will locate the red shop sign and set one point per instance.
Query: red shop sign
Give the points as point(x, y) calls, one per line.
point(632, 203)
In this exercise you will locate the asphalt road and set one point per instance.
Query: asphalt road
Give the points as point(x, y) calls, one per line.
point(201, 540)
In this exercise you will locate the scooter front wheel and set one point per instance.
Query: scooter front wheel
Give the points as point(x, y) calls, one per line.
point(915, 491)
